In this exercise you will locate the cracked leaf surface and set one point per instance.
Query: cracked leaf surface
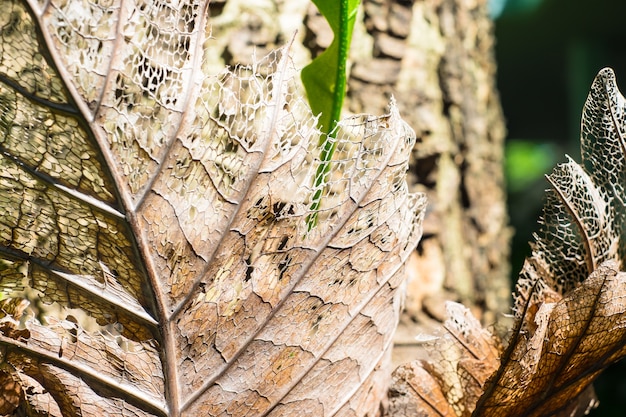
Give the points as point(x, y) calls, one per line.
point(153, 238)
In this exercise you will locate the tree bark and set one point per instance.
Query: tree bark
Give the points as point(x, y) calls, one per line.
point(436, 57)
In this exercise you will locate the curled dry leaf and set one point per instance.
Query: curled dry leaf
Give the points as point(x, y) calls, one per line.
point(570, 297)
point(154, 216)
point(570, 301)
point(549, 368)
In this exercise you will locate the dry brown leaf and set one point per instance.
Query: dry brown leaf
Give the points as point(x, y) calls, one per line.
point(10, 393)
point(570, 299)
point(549, 368)
point(451, 378)
point(153, 213)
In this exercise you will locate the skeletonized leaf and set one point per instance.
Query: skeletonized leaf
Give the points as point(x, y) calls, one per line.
point(570, 300)
point(571, 303)
point(154, 216)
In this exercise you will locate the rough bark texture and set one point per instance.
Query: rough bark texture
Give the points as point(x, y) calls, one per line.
point(442, 72)
point(436, 58)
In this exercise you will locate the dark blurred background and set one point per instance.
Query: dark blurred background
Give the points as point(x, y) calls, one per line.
point(548, 53)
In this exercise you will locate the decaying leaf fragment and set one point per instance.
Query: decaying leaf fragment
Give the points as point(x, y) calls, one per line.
point(550, 366)
point(570, 301)
point(10, 393)
point(153, 220)
point(450, 377)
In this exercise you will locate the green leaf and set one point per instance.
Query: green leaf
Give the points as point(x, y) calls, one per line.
point(325, 78)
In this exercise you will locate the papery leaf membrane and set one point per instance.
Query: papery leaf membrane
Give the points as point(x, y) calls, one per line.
point(154, 246)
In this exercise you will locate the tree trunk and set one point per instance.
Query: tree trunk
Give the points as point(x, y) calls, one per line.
point(436, 58)
point(441, 70)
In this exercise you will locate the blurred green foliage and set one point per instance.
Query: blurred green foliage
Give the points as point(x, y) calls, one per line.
point(527, 161)
point(548, 53)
